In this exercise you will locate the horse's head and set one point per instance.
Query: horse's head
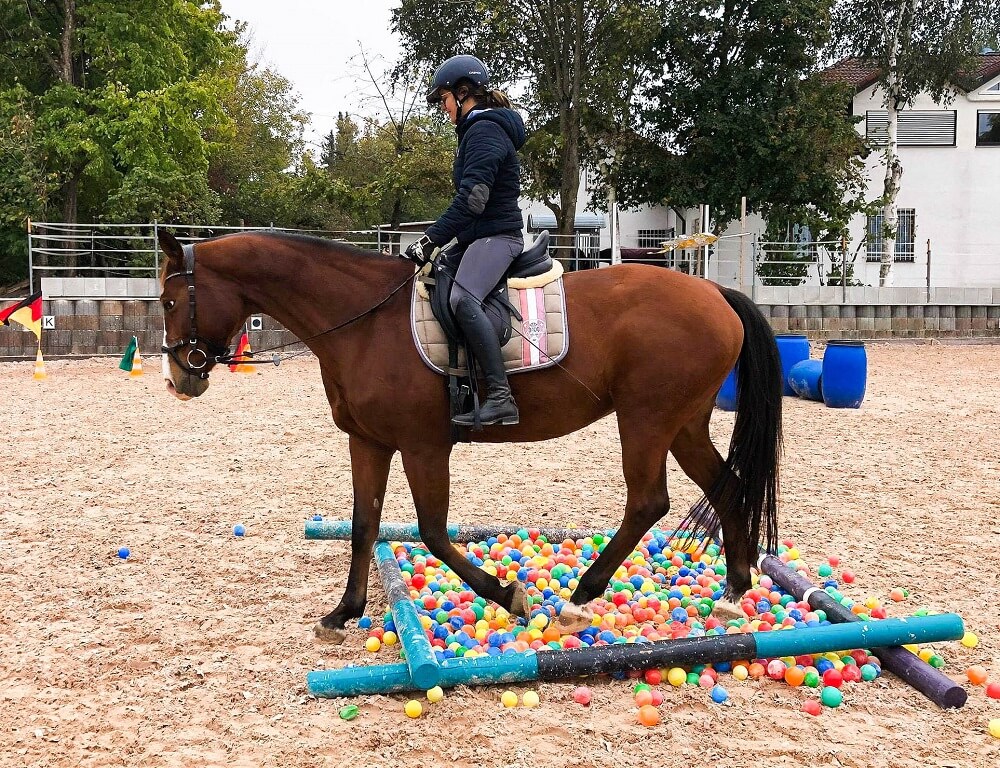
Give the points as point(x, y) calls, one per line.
point(200, 314)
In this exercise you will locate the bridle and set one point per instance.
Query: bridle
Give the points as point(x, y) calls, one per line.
point(197, 359)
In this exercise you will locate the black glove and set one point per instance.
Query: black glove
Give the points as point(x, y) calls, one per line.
point(421, 251)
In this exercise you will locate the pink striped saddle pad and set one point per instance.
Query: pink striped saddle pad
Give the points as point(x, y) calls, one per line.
point(539, 340)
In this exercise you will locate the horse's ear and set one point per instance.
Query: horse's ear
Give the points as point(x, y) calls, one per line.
point(170, 247)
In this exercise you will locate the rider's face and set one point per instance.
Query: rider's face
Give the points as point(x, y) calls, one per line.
point(449, 106)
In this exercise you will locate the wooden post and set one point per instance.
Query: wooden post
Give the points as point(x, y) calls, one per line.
point(928, 270)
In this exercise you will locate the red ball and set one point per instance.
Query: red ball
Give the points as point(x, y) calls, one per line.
point(860, 657)
point(582, 695)
point(850, 673)
point(833, 678)
point(620, 598)
point(993, 690)
point(812, 707)
point(847, 576)
point(878, 613)
point(653, 676)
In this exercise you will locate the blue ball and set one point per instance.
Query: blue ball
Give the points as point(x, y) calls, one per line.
point(317, 518)
point(123, 553)
point(239, 530)
point(365, 622)
point(680, 615)
point(719, 694)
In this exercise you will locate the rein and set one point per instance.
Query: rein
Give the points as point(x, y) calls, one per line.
point(197, 359)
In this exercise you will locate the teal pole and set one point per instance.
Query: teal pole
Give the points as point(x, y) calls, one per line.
point(862, 634)
point(424, 670)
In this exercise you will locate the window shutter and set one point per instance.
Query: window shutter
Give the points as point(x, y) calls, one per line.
point(916, 127)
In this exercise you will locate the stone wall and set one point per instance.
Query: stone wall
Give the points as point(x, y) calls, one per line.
point(92, 327)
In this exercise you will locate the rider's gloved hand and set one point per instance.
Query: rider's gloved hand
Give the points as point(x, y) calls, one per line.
point(421, 251)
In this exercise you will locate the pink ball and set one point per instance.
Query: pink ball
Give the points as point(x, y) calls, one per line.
point(776, 669)
point(811, 707)
point(582, 695)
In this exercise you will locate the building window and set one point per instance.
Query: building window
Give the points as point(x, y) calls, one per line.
point(915, 127)
point(988, 129)
point(652, 238)
point(905, 226)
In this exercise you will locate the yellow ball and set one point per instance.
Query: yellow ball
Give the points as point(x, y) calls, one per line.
point(677, 677)
point(508, 699)
point(969, 640)
point(741, 672)
point(435, 694)
point(530, 699)
point(995, 729)
point(926, 653)
point(540, 621)
point(413, 708)
point(389, 638)
point(373, 644)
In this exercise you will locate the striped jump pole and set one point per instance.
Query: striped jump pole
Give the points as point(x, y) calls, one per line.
point(625, 657)
point(909, 667)
point(340, 530)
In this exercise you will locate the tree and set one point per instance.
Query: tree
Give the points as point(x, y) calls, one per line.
point(740, 111)
point(563, 50)
point(915, 46)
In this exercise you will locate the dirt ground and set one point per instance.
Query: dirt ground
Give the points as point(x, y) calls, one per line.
point(195, 651)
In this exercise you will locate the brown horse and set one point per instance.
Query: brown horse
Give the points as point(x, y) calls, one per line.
point(649, 344)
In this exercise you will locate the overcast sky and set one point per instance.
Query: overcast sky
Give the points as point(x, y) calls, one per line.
point(315, 44)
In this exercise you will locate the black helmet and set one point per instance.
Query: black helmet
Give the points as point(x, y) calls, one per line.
point(454, 69)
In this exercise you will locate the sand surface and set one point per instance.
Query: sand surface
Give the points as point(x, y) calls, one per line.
point(195, 651)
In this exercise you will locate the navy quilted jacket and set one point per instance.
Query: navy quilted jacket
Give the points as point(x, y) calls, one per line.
point(487, 179)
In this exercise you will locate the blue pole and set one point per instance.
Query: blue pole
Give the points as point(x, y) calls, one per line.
point(422, 664)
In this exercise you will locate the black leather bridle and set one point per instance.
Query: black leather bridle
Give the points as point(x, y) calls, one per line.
point(197, 359)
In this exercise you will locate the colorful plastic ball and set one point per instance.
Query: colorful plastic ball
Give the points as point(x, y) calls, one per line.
point(977, 675)
point(776, 669)
point(812, 707)
point(831, 697)
point(644, 697)
point(239, 530)
point(124, 552)
point(653, 676)
point(811, 679)
point(994, 729)
point(649, 715)
point(413, 708)
point(832, 679)
point(741, 672)
point(795, 676)
point(850, 673)
point(847, 576)
point(530, 699)
point(869, 672)
point(993, 690)
point(719, 694)
point(676, 677)
point(365, 622)
point(897, 595)
point(706, 681)
point(435, 694)
point(582, 696)
point(389, 638)
point(317, 518)
point(373, 644)
point(657, 698)
point(969, 640)
point(508, 699)
point(756, 670)
point(349, 712)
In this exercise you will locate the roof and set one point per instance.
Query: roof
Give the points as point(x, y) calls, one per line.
point(861, 74)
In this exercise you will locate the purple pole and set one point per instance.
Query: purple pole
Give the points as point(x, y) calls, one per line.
point(939, 688)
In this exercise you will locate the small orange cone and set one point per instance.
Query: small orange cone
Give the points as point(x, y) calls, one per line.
point(242, 353)
point(39, 366)
point(136, 364)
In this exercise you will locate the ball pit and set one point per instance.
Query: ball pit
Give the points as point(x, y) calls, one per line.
point(666, 589)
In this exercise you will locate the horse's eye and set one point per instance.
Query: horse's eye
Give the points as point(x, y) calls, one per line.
point(169, 304)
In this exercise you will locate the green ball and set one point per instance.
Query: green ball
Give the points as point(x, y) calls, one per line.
point(598, 538)
point(811, 680)
point(936, 661)
point(641, 687)
point(868, 672)
point(825, 570)
point(692, 678)
point(831, 697)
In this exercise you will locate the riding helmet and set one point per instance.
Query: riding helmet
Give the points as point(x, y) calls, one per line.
point(462, 67)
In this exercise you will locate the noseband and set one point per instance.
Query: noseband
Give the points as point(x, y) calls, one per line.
point(197, 359)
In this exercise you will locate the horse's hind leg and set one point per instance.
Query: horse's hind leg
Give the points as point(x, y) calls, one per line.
point(644, 463)
point(427, 472)
point(370, 471)
point(702, 462)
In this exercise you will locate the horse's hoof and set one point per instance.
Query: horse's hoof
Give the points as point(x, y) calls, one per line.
point(519, 603)
point(727, 611)
point(574, 618)
point(327, 635)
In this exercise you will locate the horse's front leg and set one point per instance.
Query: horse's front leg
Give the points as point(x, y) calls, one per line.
point(427, 473)
point(369, 471)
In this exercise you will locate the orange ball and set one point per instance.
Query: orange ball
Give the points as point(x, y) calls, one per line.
point(795, 676)
point(756, 670)
point(977, 675)
point(649, 715)
point(643, 697)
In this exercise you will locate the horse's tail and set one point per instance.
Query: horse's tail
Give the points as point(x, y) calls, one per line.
point(748, 485)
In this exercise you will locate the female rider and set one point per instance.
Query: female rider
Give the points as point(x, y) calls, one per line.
point(483, 217)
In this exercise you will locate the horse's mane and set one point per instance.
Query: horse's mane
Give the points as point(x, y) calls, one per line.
point(340, 246)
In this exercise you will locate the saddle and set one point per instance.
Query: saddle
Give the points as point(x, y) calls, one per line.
point(530, 292)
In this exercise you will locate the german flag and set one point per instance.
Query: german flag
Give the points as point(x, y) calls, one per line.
point(27, 312)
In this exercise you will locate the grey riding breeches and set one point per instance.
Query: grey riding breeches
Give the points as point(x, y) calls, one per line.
point(482, 265)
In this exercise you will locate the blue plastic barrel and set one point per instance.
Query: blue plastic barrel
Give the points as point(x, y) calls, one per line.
point(845, 373)
point(806, 379)
point(726, 399)
point(793, 348)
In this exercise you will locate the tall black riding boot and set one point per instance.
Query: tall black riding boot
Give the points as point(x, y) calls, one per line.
point(482, 340)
